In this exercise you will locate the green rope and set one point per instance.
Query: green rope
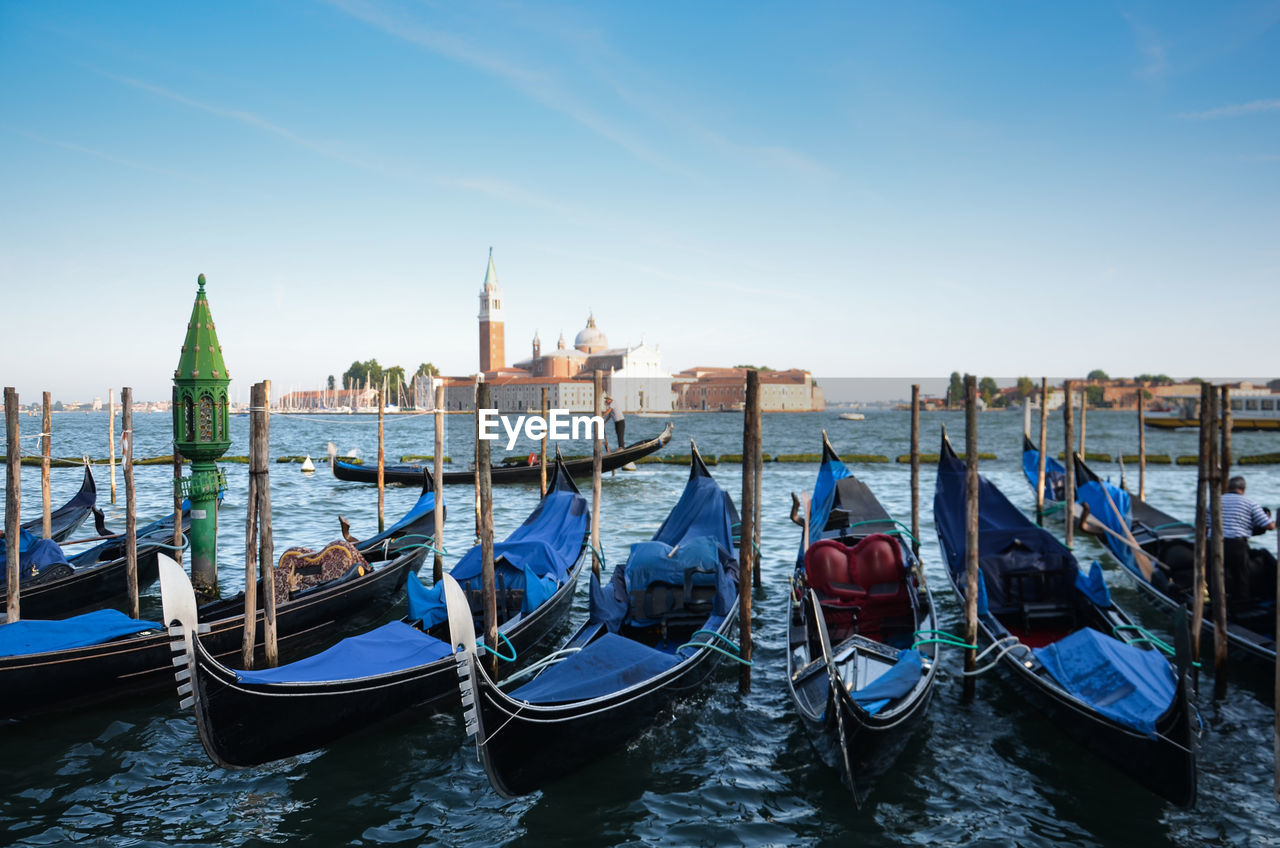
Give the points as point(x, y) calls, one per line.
point(186, 543)
point(431, 540)
point(497, 653)
point(717, 649)
point(1145, 636)
point(599, 554)
point(716, 635)
point(940, 637)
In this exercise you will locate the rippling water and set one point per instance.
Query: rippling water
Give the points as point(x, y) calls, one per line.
point(722, 769)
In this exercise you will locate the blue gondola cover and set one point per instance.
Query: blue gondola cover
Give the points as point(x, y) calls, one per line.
point(392, 647)
point(608, 664)
point(32, 636)
point(900, 679)
point(1055, 476)
point(1130, 685)
point(1094, 495)
point(34, 556)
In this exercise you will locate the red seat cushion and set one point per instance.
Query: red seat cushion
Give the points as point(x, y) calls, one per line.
point(870, 576)
point(826, 568)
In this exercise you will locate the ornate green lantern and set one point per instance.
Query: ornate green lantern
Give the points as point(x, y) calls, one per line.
point(202, 433)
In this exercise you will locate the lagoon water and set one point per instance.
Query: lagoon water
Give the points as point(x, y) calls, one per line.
point(722, 769)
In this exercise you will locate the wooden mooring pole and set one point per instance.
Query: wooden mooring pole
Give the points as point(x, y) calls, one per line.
point(251, 571)
point(111, 440)
point(1069, 464)
point(971, 576)
point(1217, 581)
point(1142, 444)
point(476, 455)
point(484, 476)
point(12, 502)
point(542, 446)
point(266, 545)
point(437, 469)
point(382, 461)
point(46, 447)
point(1044, 438)
point(130, 501)
point(746, 533)
point(1084, 410)
point(1276, 701)
point(757, 471)
point(915, 472)
point(1202, 535)
point(597, 467)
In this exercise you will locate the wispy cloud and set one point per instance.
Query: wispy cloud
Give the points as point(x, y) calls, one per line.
point(1234, 110)
point(1152, 49)
point(542, 86)
point(110, 157)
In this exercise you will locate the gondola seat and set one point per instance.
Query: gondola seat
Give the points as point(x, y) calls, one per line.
point(861, 588)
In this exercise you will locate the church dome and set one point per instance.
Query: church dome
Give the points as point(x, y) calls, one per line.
point(590, 339)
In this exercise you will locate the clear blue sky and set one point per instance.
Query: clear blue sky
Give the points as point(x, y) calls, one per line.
point(894, 189)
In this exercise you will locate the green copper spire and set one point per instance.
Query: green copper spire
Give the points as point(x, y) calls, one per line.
point(202, 433)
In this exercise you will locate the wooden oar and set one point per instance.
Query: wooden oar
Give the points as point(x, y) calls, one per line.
point(1139, 555)
point(836, 685)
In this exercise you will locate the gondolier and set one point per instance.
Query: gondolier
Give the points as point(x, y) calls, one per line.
point(1241, 519)
point(619, 420)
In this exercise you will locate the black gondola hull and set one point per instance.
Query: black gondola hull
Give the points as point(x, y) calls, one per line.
point(245, 724)
point(412, 475)
point(542, 744)
point(34, 683)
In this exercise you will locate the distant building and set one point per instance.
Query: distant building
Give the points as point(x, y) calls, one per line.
point(708, 389)
point(493, 352)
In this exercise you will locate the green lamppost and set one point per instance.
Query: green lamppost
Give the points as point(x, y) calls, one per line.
point(201, 432)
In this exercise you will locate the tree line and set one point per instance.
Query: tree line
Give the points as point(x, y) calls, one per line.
point(1025, 387)
point(370, 373)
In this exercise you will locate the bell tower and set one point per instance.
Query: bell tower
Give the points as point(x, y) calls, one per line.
point(493, 354)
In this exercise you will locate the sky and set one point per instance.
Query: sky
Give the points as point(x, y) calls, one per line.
point(861, 190)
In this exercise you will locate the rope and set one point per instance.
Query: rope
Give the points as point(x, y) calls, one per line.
point(496, 652)
point(939, 637)
point(903, 530)
point(186, 543)
point(599, 554)
point(1145, 636)
point(1007, 644)
point(717, 649)
point(431, 540)
point(716, 635)
point(550, 659)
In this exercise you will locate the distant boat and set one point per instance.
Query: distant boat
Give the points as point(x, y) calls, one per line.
point(852, 416)
point(649, 413)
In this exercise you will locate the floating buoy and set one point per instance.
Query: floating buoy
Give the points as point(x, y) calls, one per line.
point(307, 464)
point(630, 466)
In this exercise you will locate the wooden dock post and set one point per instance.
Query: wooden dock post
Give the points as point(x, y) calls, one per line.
point(251, 570)
point(1044, 438)
point(130, 501)
point(757, 471)
point(1202, 535)
point(111, 440)
point(1069, 487)
point(437, 563)
point(484, 476)
point(915, 472)
point(971, 576)
point(542, 447)
point(597, 467)
point(746, 532)
point(382, 462)
point(266, 546)
point(12, 501)
point(1276, 701)
point(1225, 418)
point(1142, 444)
point(476, 463)
point(1217, 570)
point(46, 447)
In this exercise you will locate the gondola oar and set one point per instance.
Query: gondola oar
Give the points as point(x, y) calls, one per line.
point(834, 681)
point(1139, 555)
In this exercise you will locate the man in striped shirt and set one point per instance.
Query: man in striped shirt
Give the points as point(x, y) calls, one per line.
point(1241, 519)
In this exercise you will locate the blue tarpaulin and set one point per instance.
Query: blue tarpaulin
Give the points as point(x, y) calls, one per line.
point(609, 664)
point(392, 647)
point(824, 495)
point(900, 679)
point(1130, 685)
point(34, 556)
point(1094, 495)
point(36, 636)
point(1093, 585)
point(1055, 476)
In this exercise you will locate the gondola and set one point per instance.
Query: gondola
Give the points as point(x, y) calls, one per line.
point(1164, 574)
point(653, 634)
point(89, 666)
point(64, 520)
point(250, 717)
point(515, 472)
point(1070, 650)
point(95, 578)
point(858, 608)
